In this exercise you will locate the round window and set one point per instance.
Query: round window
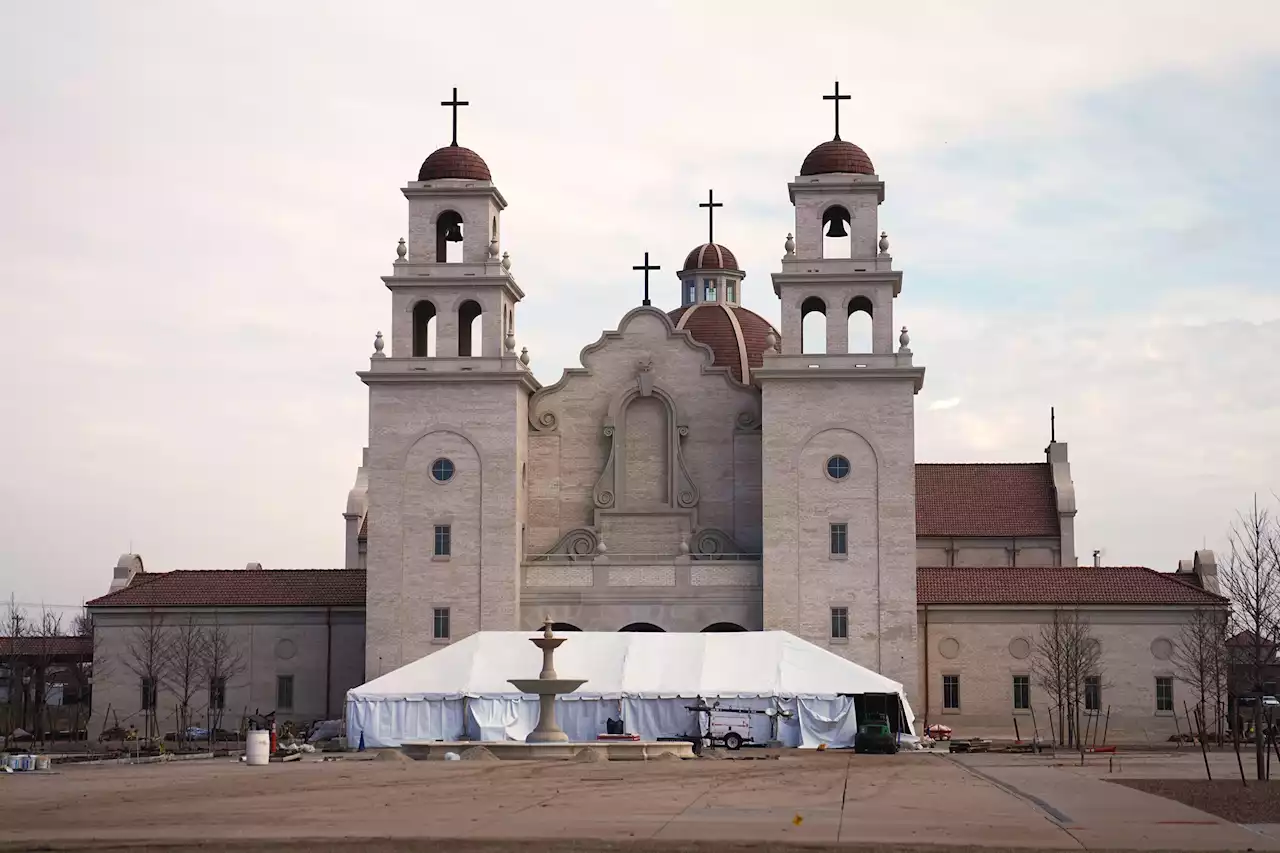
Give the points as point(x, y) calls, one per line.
point(837, 467)
point(442, 470)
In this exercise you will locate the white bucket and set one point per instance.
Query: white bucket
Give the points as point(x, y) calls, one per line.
point(43, 762)
point(258, 748)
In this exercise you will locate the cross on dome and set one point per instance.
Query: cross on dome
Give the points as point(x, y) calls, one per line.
point(711, 204)
point(454, 104)
point(836, 98)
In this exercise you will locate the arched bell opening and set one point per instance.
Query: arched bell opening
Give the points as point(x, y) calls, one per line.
point(449, 237)
point(836, 240)
point(469, 328)
point(813, 326)
point(861, 314)
point(424, 329)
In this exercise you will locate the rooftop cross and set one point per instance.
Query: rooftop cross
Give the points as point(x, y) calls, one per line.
point(646, 269)
point(710, 204)
point(455, 103)
point(837, 98)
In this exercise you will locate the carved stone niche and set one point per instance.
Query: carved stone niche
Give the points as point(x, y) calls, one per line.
point(645, 500)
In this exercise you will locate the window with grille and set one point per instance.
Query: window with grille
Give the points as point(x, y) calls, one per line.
point(951, 692)
point(444, 542)
point(1164, 693)
point(839, 623)
point(284, 692)
point(148, 694)
point(708, 290)
point(839, 539)
point(440, 623)
point(218, 693)
point(1092, 693)
point(1021, 692)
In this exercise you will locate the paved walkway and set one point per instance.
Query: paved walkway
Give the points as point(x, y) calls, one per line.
point(810, 798)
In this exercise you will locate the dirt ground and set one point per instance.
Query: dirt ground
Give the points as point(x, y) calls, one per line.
point(1258, 802)
point(807, 801)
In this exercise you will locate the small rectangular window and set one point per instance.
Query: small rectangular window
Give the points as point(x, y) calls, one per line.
point(284, 692)
point(1092, 693)
point(440, 623)
point(1021, 692)
point(951, 692)
point(148, 694)
point(443, 540)
point(690, 294)
point(839, 539)
point(218, 693)
point(839, 623)
point(1164, 693)
point(1268, 688)
point(728, 292)
point(709, 290)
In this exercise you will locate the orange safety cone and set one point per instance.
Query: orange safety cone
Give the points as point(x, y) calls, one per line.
point(275, 744)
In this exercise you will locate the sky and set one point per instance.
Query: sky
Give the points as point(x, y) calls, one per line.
point(197, 202)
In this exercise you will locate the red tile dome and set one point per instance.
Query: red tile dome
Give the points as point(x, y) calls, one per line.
point(710, 256)
point(734, 334)
point(837, 156)
point(454, 161)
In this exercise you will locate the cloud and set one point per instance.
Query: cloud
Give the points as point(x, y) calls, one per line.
point(199, 205)
point(940, 405)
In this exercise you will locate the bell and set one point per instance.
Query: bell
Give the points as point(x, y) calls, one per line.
point(837, 229)
point(453, 232)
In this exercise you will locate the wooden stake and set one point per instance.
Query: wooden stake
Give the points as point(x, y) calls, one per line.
point(1035, 728)
point(1106, 727)
point(1017, 735)
point(1178, 728)
point(1203, 751)
point(1235, 739)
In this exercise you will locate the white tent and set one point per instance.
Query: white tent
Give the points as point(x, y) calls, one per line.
point(646, 679)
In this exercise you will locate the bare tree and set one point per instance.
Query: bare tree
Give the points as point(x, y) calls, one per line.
point(1251, 580)
point(146, 655)
point(46, 638)
point(183, 676)
point(222, 662)
point(82, 670)
point(1066, 655)
point(1199, 655)
point(16, 626)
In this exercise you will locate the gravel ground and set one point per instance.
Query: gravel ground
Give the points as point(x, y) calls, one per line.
point(436, 845)
point(1226, 798)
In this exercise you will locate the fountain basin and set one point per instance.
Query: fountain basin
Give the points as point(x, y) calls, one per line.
point(546, 686)
point(514, 750)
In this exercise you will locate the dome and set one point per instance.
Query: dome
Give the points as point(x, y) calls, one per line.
point(454, 161)
point(736, 336)
point(837, 156)
point(710, 256)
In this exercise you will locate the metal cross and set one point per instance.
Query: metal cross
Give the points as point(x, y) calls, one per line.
point(837, 97)
point(455, 103)
point(646, 269)
point(711, 204)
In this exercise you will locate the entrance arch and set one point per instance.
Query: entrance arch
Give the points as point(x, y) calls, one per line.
point(564, 626)
point(722, 627)
point(643, 627)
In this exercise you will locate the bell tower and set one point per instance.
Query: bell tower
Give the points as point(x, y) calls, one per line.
point(838, 441)
point(447, 413)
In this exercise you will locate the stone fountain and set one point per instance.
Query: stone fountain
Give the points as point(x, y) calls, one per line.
point(547, 686)
point(548, 740)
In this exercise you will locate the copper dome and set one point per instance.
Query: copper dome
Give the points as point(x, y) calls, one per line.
point(736, 336)
point(710, 256)
point(454, 161)
point(837, 156)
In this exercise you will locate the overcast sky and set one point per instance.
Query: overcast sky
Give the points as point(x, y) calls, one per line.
point(197, 201)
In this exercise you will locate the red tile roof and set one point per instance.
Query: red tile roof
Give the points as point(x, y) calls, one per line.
point(63, 647)
point(241, 588)
point(710, 256)
point(835, 156)
point(986, 499)
point(454, 161)
point(709, 324)
point(1065, 585)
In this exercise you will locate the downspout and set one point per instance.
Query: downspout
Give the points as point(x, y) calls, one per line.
point(925, 730)
point(328, 657)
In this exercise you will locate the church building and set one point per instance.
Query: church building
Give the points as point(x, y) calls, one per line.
point(699, 470)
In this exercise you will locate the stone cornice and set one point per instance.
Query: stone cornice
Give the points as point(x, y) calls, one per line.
point(800, 278)
point(450, 187)
point(869, 374)
point(423, 377)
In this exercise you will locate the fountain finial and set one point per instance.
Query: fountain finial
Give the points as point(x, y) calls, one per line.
point(546, 627)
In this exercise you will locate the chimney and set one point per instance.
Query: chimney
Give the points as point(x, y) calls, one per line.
point(1097, 559)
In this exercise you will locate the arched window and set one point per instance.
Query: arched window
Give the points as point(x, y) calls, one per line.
point(448, 237)
point(722, 628)
point(813, 326)
point(564, 626)
point(424, 329)
point(836, 240)
point(860, 325)
point(470, 337)
point(642, 627)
